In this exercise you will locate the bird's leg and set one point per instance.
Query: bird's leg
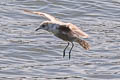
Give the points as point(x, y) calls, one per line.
point(65, 49)
point(71, 50)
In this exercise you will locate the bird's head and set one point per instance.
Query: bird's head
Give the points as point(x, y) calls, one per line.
point(49, 26)
point(44, 25)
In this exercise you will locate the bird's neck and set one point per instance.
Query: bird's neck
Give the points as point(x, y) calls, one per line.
point(53, 28)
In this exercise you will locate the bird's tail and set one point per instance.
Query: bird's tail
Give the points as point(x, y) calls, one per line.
point(83, 43)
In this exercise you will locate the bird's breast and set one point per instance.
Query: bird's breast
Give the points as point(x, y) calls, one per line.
point(65, 36)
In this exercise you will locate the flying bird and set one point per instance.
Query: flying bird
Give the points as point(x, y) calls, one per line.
point(65, 31)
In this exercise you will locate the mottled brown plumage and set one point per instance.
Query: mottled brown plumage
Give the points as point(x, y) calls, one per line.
point(65, 31)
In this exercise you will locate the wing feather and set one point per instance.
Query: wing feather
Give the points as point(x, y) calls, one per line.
point(76, 31)
point(45, 15)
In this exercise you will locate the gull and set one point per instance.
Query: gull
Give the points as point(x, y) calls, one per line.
point(65, 31)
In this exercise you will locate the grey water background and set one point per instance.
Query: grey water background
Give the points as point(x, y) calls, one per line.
point(29, 55)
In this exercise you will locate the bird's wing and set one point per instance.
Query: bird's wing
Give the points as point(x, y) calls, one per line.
point(50, 17)
point(76, 31)
point(72, 30)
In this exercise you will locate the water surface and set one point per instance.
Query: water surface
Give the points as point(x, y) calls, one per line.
point(30, 55)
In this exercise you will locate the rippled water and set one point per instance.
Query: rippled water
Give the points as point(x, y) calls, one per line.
point(29, 55)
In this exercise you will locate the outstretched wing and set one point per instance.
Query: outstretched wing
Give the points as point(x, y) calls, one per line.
point(72, 31)
point(50, 17)
point(76, 31)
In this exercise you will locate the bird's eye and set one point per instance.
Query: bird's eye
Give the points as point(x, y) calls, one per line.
point(43, 26)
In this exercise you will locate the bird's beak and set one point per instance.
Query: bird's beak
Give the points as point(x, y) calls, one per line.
point(37, 29)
